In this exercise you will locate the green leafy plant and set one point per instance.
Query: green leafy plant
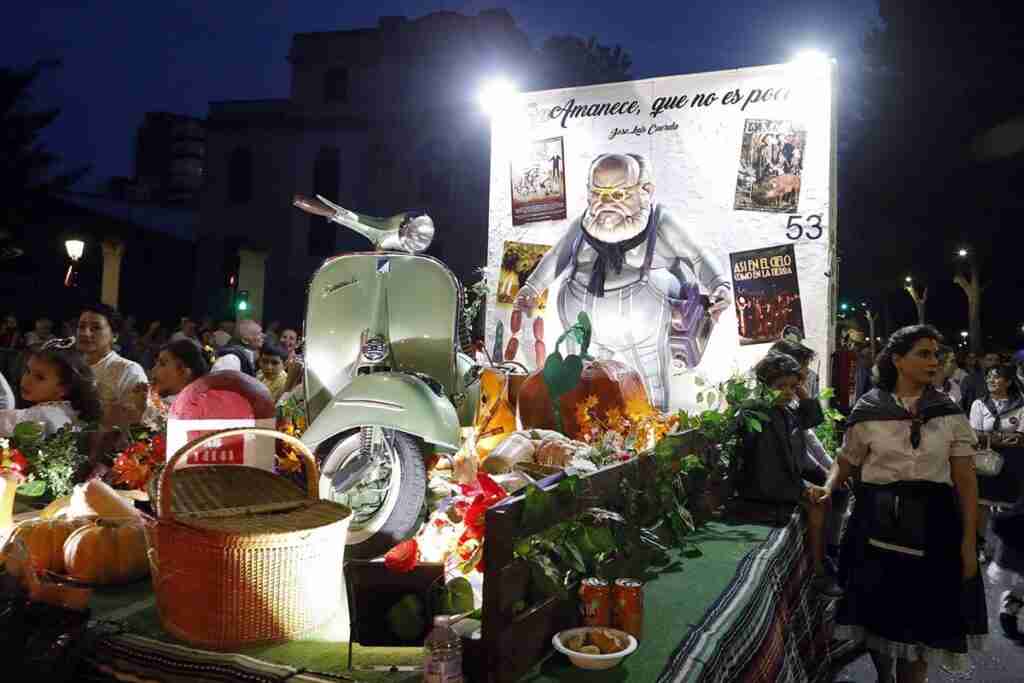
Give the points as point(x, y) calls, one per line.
point(562, 374)
point(476, 297)
point(54, 462)
point(829, 432)
point(631, 542)
point(736, 405)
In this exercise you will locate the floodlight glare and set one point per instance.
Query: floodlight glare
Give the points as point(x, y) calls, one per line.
point(495, 94)
point(812, 57)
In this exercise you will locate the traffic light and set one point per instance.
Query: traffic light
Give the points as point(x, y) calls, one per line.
point(844, 306)
point(242, 300)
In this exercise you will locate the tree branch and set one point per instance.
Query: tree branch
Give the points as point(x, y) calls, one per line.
point(964, 284)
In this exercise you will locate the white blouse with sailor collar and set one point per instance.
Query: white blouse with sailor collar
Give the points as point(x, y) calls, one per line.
point(983, 420)
point(883, 450)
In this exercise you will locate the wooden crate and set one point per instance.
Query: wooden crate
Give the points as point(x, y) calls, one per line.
point(373, 589)
point(510, 643)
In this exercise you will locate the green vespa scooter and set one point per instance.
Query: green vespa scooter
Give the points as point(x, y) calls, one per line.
point(386, 382)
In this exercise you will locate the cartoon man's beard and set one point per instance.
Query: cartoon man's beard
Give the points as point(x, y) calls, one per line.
point(612, 224)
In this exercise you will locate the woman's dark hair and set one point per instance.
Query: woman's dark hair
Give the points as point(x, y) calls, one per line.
point(1009, 373)
point(109, 312)
point(272, 349)
point(190, 355)
point(77, 376)
point(801, 353)
point(899, 344)
point(775, 366)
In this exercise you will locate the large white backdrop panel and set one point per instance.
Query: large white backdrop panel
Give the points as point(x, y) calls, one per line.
point(695, 158)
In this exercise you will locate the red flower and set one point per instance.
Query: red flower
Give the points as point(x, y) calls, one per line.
point(14, 462)
point(402, 558)
point(158, 449)
point(130, 471)
point(490, 493)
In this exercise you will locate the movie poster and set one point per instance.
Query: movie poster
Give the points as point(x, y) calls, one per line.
point(771, 161)
point(652, 207)
point(767, 295)
point(518, 262)
point(538, 182)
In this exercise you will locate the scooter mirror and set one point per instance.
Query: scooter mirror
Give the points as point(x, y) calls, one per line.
point(416, 232)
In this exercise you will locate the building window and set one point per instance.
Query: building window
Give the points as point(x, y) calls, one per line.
point(336, 85)
point(326, 182)
point(240, 176)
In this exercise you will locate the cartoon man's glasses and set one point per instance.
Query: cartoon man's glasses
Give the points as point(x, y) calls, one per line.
point(615, 194)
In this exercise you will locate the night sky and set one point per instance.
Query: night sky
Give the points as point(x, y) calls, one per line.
point(123, 59)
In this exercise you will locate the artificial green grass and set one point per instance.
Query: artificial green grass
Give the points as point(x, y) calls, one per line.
point(674, 602)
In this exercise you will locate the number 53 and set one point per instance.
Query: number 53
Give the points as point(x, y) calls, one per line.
point(813, 229)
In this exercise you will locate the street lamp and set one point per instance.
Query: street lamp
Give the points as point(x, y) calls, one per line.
point(75, 248)
point(964, 334)
point(962, 253)
point(908, 279)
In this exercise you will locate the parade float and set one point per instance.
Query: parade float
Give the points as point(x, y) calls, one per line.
point(587, 441)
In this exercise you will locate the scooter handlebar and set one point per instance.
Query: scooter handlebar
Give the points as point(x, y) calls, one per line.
point(314, 206)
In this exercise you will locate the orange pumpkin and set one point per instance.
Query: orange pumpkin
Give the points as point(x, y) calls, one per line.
point(44, 539)
point(615, 385)
point(107, 552)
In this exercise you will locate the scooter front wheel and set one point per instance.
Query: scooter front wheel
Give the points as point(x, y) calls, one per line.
point(388, 494)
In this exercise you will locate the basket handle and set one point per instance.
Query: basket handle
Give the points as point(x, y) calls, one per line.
point(165, 490)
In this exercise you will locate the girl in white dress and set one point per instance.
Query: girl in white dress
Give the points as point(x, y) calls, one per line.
point(60, 386)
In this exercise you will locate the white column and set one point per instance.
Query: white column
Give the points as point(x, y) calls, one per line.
point(113, 252)
point(252, 272)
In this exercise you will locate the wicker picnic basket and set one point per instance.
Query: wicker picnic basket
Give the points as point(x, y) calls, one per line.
point(240, 556)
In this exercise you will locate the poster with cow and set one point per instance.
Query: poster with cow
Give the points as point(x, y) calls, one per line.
point(664, 184)
point(771, 160)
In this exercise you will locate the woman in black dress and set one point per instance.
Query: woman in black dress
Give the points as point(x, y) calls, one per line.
point(913, 592)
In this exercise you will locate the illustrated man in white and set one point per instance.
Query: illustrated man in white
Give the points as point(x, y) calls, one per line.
point(611, 253)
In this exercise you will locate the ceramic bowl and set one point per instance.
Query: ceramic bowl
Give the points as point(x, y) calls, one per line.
point(593, 662)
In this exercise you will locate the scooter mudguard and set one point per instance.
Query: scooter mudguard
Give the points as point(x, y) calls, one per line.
point(390, 400)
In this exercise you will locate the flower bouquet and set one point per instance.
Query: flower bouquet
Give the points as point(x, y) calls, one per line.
point(292, 420)
point(137, 464)
point(52, 462)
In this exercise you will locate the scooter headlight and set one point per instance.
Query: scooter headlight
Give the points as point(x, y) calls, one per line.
point(375, 349)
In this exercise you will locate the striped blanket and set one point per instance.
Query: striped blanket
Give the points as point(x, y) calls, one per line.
point(768, 625)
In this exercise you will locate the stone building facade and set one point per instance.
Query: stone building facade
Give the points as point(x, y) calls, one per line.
point(380, 119)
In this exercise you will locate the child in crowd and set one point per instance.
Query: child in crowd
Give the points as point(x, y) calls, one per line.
point(272, 372)
point(177, 365)
point(775, 466)
point(60, 386)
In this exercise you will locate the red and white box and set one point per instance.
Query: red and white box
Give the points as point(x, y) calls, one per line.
point(223, 400)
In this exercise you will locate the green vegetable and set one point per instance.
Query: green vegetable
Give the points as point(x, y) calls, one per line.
point(456, 597)
point(407, 618)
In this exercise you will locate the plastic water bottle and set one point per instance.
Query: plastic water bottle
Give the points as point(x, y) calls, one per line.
point(443, 653)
